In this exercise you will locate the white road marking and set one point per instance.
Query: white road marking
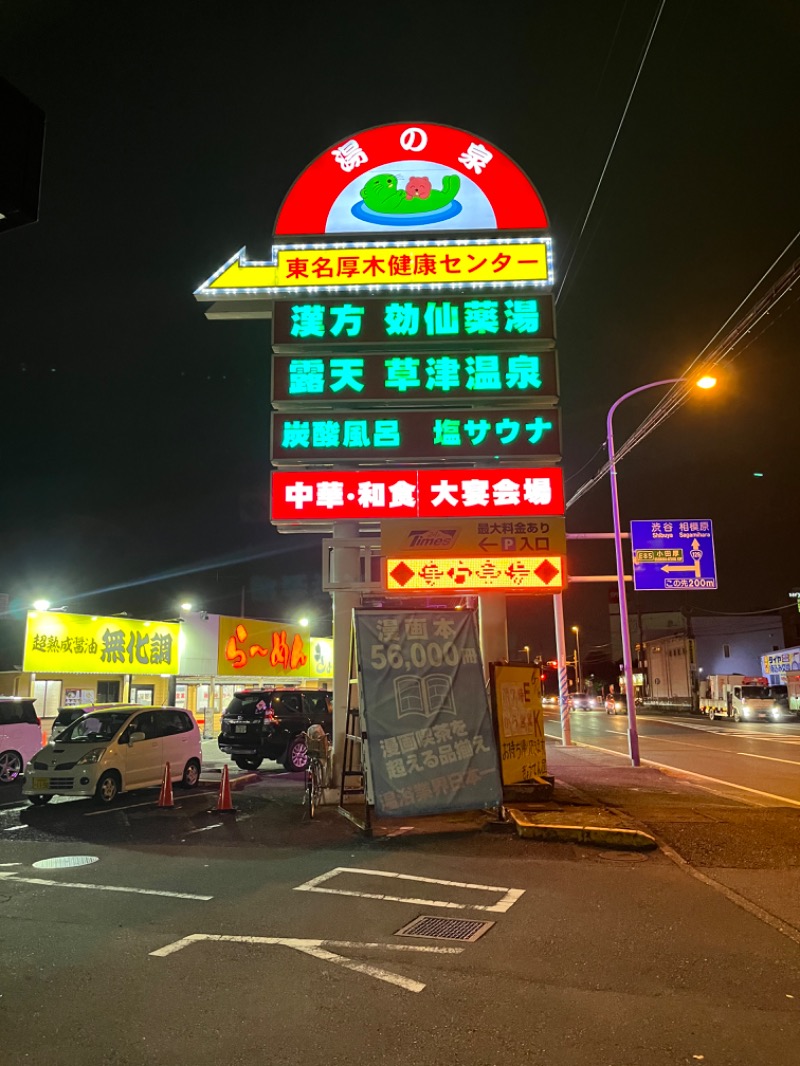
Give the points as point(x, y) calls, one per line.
point(691, 773)
point(205, 828)
point(101, 888)
point(510, 897)
point(10, 864)
point(149, 803)
point(115, 810)
point(769, 758)
point(14, 829)
point(319, 949)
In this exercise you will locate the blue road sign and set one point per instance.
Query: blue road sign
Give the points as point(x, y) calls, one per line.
point(673, 553)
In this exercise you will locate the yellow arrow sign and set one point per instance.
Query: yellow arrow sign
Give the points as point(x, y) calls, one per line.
point(440, 265)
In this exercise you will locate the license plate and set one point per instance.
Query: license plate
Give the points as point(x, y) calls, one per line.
point(241, 728)
point(41, 782)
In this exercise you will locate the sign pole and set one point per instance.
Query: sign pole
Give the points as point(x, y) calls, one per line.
point(345, 567)
point(561, 655)
point(493, 629)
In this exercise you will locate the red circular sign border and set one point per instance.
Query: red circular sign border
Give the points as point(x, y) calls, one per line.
point(513, 197)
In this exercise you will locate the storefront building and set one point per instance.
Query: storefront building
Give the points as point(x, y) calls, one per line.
point(196, 662)
point(79, 658)
point(221, 655)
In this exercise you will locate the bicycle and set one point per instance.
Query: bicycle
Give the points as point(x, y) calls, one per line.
point(318, 749)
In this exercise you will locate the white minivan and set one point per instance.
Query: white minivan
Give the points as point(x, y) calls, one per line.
point(115, 750)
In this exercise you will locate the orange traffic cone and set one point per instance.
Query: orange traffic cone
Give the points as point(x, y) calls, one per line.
point(165, 798)
point(224, 802)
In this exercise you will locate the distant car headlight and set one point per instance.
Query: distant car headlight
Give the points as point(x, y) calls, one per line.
point(90, 756)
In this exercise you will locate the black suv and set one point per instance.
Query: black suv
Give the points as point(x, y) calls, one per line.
point(263, 724)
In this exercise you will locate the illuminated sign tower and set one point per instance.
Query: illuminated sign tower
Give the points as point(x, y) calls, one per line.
point(414, 373)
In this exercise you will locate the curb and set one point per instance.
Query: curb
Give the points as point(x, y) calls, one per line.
point(603, 836)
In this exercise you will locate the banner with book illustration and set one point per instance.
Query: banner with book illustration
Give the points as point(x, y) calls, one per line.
point(430, 741)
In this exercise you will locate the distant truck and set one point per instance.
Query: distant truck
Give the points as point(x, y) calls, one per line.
point(793, 692)
point(744, 699)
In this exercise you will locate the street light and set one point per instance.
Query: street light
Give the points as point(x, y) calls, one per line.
point(41, 605)
point(705, 382)
point(527, 649)
point(578, 677)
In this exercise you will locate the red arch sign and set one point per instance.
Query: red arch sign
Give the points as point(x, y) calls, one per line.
point(404, 178)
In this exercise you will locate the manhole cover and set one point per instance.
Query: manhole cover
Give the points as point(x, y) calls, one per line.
point(445, 928)
point(63, 861)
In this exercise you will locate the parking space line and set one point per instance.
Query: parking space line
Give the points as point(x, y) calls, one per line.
point(151, 803)
point(509, 898)
point(320, 949)
point(100, 888)
point(114, 810)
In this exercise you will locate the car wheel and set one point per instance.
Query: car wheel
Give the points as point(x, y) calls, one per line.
point(107, 789)
point(296, 757)
point(39, 801)
point(712, 714)
point(191, 774)
point(736, 716)
point(10, 767)
point(248, 764)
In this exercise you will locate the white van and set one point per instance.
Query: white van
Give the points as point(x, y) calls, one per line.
point(115, 750)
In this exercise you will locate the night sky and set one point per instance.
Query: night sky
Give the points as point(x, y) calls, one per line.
point(134, 432)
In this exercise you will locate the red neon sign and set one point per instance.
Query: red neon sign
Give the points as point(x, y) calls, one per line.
point(363, 495)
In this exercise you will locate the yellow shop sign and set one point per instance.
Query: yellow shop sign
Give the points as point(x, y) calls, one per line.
point(252, 648)
point(516, 693)
point(59, 643)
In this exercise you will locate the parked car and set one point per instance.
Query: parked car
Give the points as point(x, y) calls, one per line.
point(270, 723)
point(116, 750)
point(20, 735)
point(67, 715)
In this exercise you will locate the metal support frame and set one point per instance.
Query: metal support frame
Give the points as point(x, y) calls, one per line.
point(354, 750)
point(369, 548)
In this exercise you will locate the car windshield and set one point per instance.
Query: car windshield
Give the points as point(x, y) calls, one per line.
point(755, 692)
point(99, 725)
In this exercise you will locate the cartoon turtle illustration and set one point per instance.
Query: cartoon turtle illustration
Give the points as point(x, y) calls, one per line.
point(383, 194)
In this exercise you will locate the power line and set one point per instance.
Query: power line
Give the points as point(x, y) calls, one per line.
point(743, 614)
point(680, 392)
point(611, 149)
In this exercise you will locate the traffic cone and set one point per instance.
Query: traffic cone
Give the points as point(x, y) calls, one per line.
point(224, 801)
point(165, 798)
